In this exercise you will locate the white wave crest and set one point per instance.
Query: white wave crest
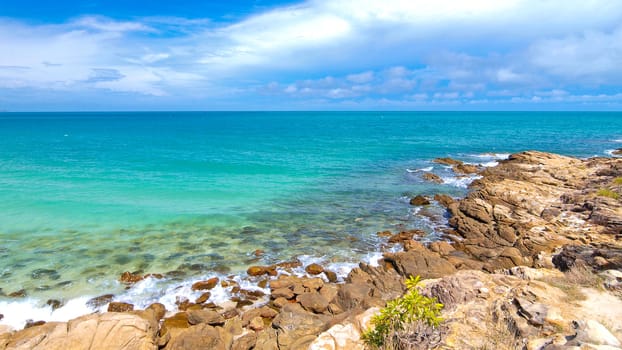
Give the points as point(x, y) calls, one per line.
point(462, 181)
point(418, 170)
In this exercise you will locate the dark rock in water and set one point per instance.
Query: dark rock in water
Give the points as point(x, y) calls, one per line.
point(207, 284)
point(100, 301)
point(384, 234)
point(259, 252)
point(63, 284)
point(128, 277)
point(1, 317)
point(55, 304)
point(432, 178)
point(447, 161)
point(203, 298)
point(31, 323)
point(175, 274)
point(242, 303)
point(116, 306)
point(314, 269)
point(444, 200)
point(405, 236)
point(617, 152)
point(45, 273)
point(419, 200)
point(261, 270)
point(18, 294)
point(331, 276)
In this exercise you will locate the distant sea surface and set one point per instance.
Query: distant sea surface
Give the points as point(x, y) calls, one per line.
point(87, 196)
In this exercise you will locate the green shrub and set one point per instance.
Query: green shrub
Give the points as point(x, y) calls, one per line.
point(617, 181)
point(603, 192)
point(410, 308)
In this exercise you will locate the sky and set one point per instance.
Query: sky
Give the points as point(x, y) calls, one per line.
point(98, 55)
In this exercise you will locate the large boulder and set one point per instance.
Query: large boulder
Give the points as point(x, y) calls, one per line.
point(296, 328)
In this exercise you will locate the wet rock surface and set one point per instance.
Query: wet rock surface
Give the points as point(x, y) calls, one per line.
point(531, 260)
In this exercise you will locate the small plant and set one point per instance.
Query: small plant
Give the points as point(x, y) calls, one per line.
point(410, 308)
point(604, 192)
point(617, 181)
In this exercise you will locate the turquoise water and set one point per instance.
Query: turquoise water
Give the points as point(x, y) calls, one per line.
point(86, 196)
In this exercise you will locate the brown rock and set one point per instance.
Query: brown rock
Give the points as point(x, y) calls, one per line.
point(419, 200)
point(331, 276)
point(203, 298)
point(432, 178)
point(100, 300)
point(201, 336)
point(447, 161)
point(116, 306)
point(384, 234)
point(405, 236)
point(207, 284)
point(312, 283)
point(444, 200)
point(282, 293)
point(314, 269)
point(260, 270)
point(31, 323)
point(296, 329)
point(420, 262)
point(128, 277)
point(159, 310)
point(256, 324)
point(245, 342)
point(259, 252)
point(55, 304)
point(465, 169)
point(280, 302)
point(18, 294)
point(205, 316)
point(314, 302)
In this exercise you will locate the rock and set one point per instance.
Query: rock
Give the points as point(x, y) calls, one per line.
point(256, 324)
point(405, 236)
point(31, 323)
point(352, 295)
point(259, 252)
point(432, 178)
point(130, 278)
point(201, 336)
point(260, 270)
point(18, 294)
point(207, 284)
point(312, 283)
point(296, 329)
point(96, 332)
point(203, 298)
point(314, 269)
point(55, 304)
point(159, 310)
point(444, 200)
point(593, 332)
point(420, 262)
point(283, 293)
point(100, 301)
point(205, 316)
point(535, 313)
point(384, 234)
point(339, 337)
point(245, 342)
point(331, 276)
point(314, 302)
point(465, 169)
point(447, 161)
point(617, 152)
point(120, 307)
point(419, 200)
point(280, 302)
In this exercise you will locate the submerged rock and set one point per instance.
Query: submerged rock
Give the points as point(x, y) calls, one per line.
point(120, 307)
point(447, 161)
point(100, 301)
point(207, 284)
point(432, 178)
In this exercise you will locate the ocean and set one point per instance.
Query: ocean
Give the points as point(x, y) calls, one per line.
point(87, 196)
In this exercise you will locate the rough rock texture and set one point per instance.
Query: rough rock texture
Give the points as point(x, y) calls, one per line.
point(105, 331)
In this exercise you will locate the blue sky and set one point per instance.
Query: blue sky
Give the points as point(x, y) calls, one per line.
point(312, 55)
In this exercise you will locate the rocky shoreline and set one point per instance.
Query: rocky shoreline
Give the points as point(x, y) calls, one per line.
point(532, 260)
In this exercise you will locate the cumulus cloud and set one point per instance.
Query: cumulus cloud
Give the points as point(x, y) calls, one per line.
point(346, 52)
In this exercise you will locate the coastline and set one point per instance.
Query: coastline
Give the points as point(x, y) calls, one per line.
point(521, 212)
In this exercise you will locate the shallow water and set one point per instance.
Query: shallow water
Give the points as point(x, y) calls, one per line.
point(86, 196)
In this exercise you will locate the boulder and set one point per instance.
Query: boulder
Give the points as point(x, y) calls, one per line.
point(296, 329)
point(116, 306)
point(129, 278)
point(314, 269)
point(97, 332)
point(205, 316)
point(465, 169)
point(444, 200)
point(447, 161)
point(419, 200)
point(314, 302)
point(261, 270)
point(207, 284)
point(201, 336)
point(432, 178)
point(420, 262)
point(203, 298)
